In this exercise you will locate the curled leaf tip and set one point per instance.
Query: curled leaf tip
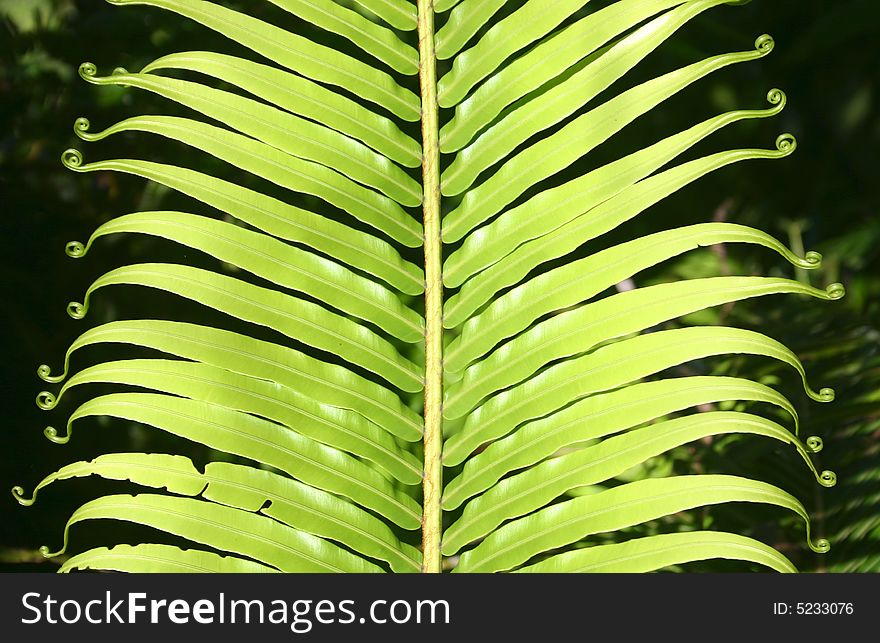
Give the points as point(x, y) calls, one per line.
point(765, 43)
point(814, 444)
point(81, 128)
point(44, 372)
point(52, 434)
point(82, 124)
point(824, 395)
point(75, 249)
point(18, 494)
point(821, 546)
point(76, 310)
point(786, 143)
point(814, 257)
point(835, 291)
point(828, 478)
point(46, 400)
point(72, 158)
point(87, 71)
point(777, 97)
point(810, 261)
point(44, 551)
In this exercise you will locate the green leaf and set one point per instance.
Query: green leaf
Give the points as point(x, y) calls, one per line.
point(580, 280)
point(552, 106)
point(286, 132)
point(329, 425)
point(161, 559)
point(505, 38)
point(621, 363)
point(541, 64)
point(373, 39)
point(623, 506)
point(297, 505)
point(567, 237)
point(583, 328)
point(318, 62)
point(325, 382)
point(520, 224)
point(463, 24)
point(298, 95)
point(445, 5)
point(298, 319)
point(356, 248)
point(258, 537)
point(234, 432)
point(400, 14)
point(588, 419)
point(559, 150)
point(298, 175)
point(276, 262)
point(655, 552)
point(537, 486)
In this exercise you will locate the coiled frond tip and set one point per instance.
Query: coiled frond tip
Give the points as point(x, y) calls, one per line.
point(18, 494)
point(814, 444)
point(777, 97)
point(75, 249)
point(765, 43)
point(786, 143)
point(87, 71)
point(44, 372)
point(814, 258)
point(76, 310)
point(835, 291)
point(828, 478)
point(72, 158)
point(51, 434)
point(46, 400)
point(81, 125)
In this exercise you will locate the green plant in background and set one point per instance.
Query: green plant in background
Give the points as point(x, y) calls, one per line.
point(497, 426)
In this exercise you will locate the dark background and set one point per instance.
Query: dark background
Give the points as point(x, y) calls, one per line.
point(824, 198)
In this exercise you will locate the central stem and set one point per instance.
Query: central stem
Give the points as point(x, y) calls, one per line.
point(433, 436)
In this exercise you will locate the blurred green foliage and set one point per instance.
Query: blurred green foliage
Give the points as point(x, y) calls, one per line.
point(825, 198)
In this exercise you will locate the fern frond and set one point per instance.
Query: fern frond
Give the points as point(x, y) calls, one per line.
point(538, 392)
point(323, 432)
point(549, 383)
